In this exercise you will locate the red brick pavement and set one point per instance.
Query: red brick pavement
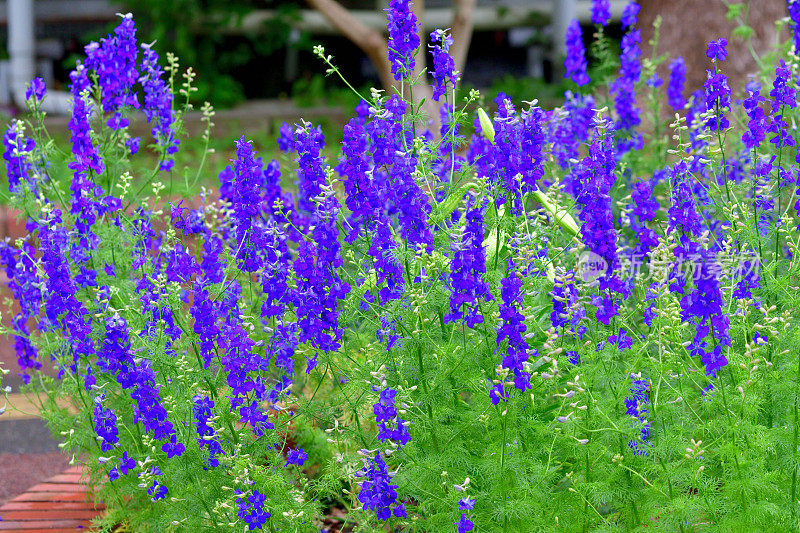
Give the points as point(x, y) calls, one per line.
point(62, 503)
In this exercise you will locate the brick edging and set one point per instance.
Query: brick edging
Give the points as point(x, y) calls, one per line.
point(62, 503)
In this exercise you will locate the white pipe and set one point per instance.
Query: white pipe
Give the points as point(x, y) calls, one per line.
point(21, 47)
point(563, 13)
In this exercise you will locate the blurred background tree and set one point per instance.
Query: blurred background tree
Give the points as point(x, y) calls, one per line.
point(209, 36)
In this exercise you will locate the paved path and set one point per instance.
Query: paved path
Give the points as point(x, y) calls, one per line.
point(61, 503)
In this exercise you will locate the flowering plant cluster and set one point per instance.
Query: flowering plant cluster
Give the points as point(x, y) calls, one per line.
point(408, 331)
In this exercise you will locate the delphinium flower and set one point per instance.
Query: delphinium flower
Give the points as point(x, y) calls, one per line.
point(181, 265)
point(514, 328)
point(444, 67)
point(360, 184)
point(704, 307)
point(595, 176)
point(717, 50)
point(388, 332)
point(498, 392)
point(253, 415)
point(83, 149)
point(385, 130)
point(367, 206)
point(158, 101)
point(654, 81)
point(390, 425)
point(36, 90)
point(275, 272)
point(376, 492)
point(61, 306)
point(309, 143)
point(649, 313)
point(388, 269)
point(246, 203)
point(757, 124)
point(403, 38)
point(569, 127)
point(621, 340)
point(464, 524)
point(277, 202)
point(636, 406)
point(717, 91)
point(601, 12)
point(87, 202)
point(114, 59)
point(133, 144)
point(784, 98)
point(575, 62)
point(677, 79)
point(156, 490)
point(105, 424)
point(412, 203)
point(683, 214)
point(155, 308)
point(296, 456)
point(630, 14)
point(794, 16)
point(17, 151)
point(565, 300)
point(748, 275)
point(624, 87)
point(21, 270)
point(24, 348)
point(390, 148)
point(202, 409)
point(645, 208)
point(316, 267)
point(126, 464)
point(516, 159)
point(467, 270)
point(115, 357)
point(251, 509)
point(239, 357)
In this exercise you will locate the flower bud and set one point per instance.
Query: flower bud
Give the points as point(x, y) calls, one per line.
point(486, 125)
point(561, 215)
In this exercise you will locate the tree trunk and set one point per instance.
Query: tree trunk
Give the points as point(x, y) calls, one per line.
point(688, 25)
point(374, 45)
point(371, 42)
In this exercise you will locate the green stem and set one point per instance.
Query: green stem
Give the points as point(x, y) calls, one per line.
point(424, 380)
point(795, 438)
point(502, 470)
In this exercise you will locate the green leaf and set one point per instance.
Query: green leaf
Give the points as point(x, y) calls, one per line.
point(491, 244)
point(734, 11)
point(449, 204)
point(743, 32)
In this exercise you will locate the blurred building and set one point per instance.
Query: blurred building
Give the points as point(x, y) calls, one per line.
point(518, 37)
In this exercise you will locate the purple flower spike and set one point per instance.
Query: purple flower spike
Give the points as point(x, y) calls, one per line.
point(36, 90)
point(403, 38)
point(575, 63)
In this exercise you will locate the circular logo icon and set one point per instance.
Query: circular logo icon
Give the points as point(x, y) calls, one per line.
point(591, 266)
